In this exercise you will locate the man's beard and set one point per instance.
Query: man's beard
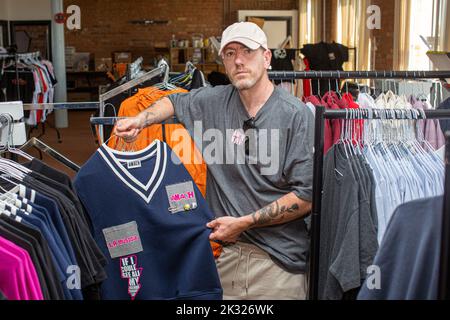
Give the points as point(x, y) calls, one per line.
point(245, 84)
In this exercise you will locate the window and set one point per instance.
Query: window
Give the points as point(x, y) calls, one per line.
point(426, 30)
point(420, 27)
point(351, 31)
point(310, 21)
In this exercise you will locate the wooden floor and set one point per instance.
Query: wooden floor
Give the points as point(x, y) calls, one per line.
point(78, 142)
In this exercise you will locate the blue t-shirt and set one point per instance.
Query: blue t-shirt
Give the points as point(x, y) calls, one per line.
point(406, 266)
point(155, 249)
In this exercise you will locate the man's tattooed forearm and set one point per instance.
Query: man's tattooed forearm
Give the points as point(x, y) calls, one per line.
point(272, 213)
point(149, 117)
point(268, 213)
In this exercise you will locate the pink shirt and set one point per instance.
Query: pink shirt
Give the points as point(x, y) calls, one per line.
point(25, 284)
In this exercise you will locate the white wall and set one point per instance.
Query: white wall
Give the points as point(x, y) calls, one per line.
point(25, 9)
point(3, 10)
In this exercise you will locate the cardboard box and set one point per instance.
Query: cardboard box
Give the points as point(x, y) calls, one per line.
point(122, 57)
point(70, 50)
point(81, 61)
point(103, 64)
point(69, 62)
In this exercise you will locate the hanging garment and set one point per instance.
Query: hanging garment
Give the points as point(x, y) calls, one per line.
point(409, 256)
point(332, 102)
point(348, 226)
point(175, 135)
point(150, 221)
point(45, 262)
point(27, 246)
point(59, 252)
point(89, 258)
point(429, 128)
point(29, 80)
point(282, 60)
point(328, 132)
point(13, 273)
point(27, 282)
point(306, 82)
point(325, 56)
point(28, 285)
point(54, 218)
point(444, 123)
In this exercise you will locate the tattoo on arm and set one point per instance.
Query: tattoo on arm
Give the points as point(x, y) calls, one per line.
point(149, 118)
point(149, 115)
point(272, 213)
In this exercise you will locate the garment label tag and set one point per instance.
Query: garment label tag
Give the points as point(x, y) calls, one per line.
point(134, 164)
point(331, 56)
point(238, 137)
point(123, 240)
point(181, 197)
point(22, 191)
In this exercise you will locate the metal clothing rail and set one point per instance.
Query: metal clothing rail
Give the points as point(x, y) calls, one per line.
point(41, 146)
point(110, 121)
point(61, 105)
point(292, 75)
point(163, 69)
point(321, 115)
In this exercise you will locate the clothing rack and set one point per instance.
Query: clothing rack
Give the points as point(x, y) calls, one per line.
point(163, 69)
point(292, 75)
point(16, 57)
point(321, 116)
point(42, 147)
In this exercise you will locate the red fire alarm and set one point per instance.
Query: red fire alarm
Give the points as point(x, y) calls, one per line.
point(60, 18)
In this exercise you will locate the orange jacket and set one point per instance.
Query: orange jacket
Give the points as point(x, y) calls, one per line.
point(175, 135)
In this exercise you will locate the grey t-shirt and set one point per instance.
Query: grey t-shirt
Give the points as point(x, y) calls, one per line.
point(238, 185)
point(348, 234)
point(339, 269)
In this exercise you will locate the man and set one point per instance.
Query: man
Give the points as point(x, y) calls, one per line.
point(260, 204)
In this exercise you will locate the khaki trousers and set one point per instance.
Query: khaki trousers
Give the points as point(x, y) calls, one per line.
point(248, 273)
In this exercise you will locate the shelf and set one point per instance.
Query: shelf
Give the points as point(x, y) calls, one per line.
point(83, 89)
point(86, 73)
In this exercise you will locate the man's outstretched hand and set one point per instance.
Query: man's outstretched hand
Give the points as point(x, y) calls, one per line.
point(128, 129)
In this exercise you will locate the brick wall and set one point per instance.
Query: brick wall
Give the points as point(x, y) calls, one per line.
point(384, 38)
point(105, 26)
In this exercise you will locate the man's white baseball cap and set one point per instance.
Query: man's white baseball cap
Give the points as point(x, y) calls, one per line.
point(247, 33)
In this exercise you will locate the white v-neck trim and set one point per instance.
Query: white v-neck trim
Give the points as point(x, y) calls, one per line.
point(159, 162)
point(148, 156)
point(112, 152)
point(131, 153)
